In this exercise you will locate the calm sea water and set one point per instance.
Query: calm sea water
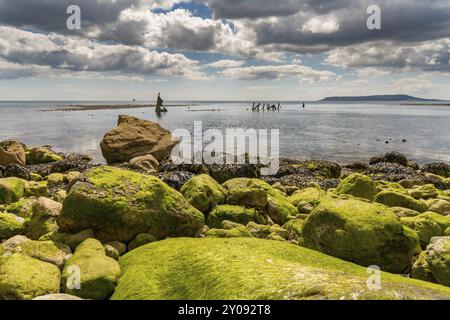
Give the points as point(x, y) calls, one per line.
point(338, 132)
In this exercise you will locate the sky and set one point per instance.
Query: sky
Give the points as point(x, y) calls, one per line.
point(223, 49)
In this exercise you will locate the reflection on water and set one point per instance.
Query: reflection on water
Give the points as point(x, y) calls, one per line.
point(339, 132)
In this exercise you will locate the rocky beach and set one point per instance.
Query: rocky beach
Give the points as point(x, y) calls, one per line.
point(142, 227)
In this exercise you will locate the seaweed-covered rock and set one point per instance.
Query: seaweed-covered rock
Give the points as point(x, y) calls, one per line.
point(259, 230)
point(40, 155)
point(434, 264)
point(295, 228)
point(11, 190)
point(175, 180)
point(10, 225)
point(233, 213)
point(279, 208)
point(391, 157)
point(43, 219)
point(203, 193)
point(222, 173)
point(397, 199)
point(119, 204)
point(404, 212)
point(358, 185)
point(46, 251)
point(98, 274)
point(253, 269)
point(248, 197)
point(141, 240)
point(72, 240)
point(24, 278)
point(134, 137)
point(17, 170)
point(361, 232)
point(55, 179)
point(11, 152)
point(392, 172)
point(439, 168)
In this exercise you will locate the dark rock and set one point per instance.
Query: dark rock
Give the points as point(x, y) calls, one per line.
point(169, 166)
point(222, 173)
point(391, 157)
point(17, 170)
point(439, 168)
point(357, 166)
point(392, 172)
point(175, 179)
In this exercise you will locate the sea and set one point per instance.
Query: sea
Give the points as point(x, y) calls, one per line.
point(340, 132)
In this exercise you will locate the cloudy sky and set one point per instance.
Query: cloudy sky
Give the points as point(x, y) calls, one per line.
point(223, 49)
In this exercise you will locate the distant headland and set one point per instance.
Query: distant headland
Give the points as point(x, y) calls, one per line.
point(392, 98)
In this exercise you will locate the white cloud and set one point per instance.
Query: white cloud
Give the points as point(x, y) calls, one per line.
point(223, 64)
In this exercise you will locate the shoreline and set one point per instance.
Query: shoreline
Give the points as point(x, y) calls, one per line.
point(77, 107)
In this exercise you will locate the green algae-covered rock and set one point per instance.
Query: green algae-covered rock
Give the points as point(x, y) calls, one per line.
point(72, 240)
point(361, 232)
point(36, 189)
point(440, 206)
point(447, 232)
point(397, 199)
point(425, 226)
point(252, 269)
point(358, 185)
point(404, 212)
point(23, 208)
point(141, 240)
point(11, 190)
point(120, 204)
point(46, 251)
point(43, 219)
point(279, 208)
point(98, 274)
point(295, 228)
point(233, 213)
point(41, 155)
point(248, 197)
point(424, 192)
point(55, 179)
point(203, 193)
point(309, 195)
point(2, 250)
point(229, 229)
point(24, 278)
point(258, 230)
point(434, 263)
point(10, 225)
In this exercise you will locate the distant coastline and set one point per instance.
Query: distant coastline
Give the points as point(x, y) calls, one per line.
point(378, 98)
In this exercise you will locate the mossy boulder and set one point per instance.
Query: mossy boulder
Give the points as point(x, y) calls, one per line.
point(24, 278)
point(43, 219)
point(424, 192)
point(36, 189)
point(203, 193)
point(309, 195)
point(425, 226)
point(361, 232)
point(98, 274)
point(259, 230)
point(120, 204)
point(10, 225)
point(229, 229)
point(41, 155)
point(434, 264)
point(11, 190)
point(404, 212)
point(47, 251)
point(55, 179)
point(295, 229)
point(253, 269)
point(141, 240)
point(279, 208)
point(439, 206)
point(23, 208)
point(72, 240)
point(358, 185)
point(248, 197)
point(233, 213)
point(397, 199)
